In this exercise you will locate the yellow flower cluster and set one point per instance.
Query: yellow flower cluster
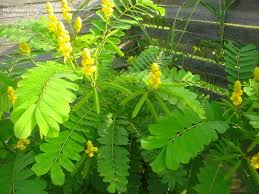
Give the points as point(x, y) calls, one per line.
point(22, 144)
point(49, 8)
point(63, 41)
point(24, 48)
point(236, 97)
point(155, 80)
point(78, 24)
point(255, 161)
point(256, 74)
point(64, 45)
point(107, 8)
point(53, 21)
point(11, 95)
point(66, 10)
point(90, 150)
point(88, 66)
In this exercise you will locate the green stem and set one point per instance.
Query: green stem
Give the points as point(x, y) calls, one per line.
point(33, 60)
point(187, 23)
point(96, 95)
point(222, 15)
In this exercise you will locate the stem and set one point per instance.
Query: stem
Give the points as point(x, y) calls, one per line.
point(99, 49)
point(72, 65)
point(135, 128)
point(187, 23)
point(33, 60)
point(222, 10)
point(96, 95)
point(72, 29)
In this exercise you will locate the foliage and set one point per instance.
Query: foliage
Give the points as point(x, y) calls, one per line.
point(38, 102)
point(148, 56)
point(220, 11)
point(113, 161)
point(35, 31)
point(59, 152)
point(17, 177)
point(174, 141)
point(239, 61)
point(212, 179)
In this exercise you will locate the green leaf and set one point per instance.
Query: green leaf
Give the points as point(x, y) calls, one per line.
point(57, 175)
point(174, 134)
point(254, 119)
point(5, 104)
point(175, 178)
point(5, 82)
point(118, 50)
point(113, 161)
point(43, 98)
point(25, 123)
point(136, 166)
point(159, 164)
point(239, 61)
point(212, 179)
point(155, 185)
point(182, 76)
point(58, 153)
point(117, 87)
point(132, 96)
point(152, 109)
point(181, 97)
point(139, 105)
point(147, 57)
point(17, 176)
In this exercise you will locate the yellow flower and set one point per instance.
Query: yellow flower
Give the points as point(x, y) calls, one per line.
point(237, 93)
point(90, 150)
point(236, 99)
point(255, 161)
point(66, 11)
point(52, 24)
point(61, 30)
point(109, 3)
point(78, 24)
point(86, 58)
point(64, 3)
point(89, 70)
point(24, 48)
point(88, 66)
point(53, 21)
point(11, 95)
point(49, 8)
point(256, 74)
point(107, 11)
point(107, 8)
point(64, 44)
point(237, 86)
point(155, 80)
point(66, 50)
point(22, 144)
